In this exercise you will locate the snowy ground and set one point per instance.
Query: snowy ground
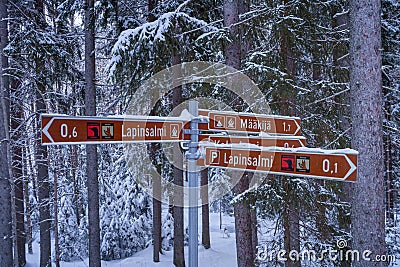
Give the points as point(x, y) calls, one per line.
point(222, 252)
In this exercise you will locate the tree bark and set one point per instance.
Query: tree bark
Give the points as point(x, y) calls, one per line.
point(157, 217)
point(43, 182)
point(91, 150)
point(179, 254)
point(6, 255)
point(233, 56)
point(291, 225)
point(157, 187)
point(244, 242)
point(28, 209)
point(368, 206)
point(390, 188)
point(55, 205)
point(43, 188)
point(16, 118)
point(205, 210)
point(290, 214)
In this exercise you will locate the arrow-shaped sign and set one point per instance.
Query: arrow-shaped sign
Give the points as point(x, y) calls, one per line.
point(302, 162)
point(58, 129)
point(250, 122)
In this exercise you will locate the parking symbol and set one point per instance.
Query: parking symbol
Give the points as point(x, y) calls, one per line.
point(214, 157)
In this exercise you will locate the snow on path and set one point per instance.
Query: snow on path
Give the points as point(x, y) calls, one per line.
point(222, 252)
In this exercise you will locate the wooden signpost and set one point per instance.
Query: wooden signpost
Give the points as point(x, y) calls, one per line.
point(323, 164)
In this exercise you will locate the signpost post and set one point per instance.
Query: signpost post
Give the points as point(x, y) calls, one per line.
point(193, 178)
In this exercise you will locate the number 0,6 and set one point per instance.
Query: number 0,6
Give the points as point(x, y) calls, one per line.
point(64, 131)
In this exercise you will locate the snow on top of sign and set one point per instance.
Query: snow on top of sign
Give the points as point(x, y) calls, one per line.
point(186, 115)
point(281, 149)
point(264, 134)
point(274, 136)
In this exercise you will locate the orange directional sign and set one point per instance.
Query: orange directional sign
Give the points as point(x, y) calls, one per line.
point(336, 165)
point(281, 141)
point(58, 129)
point(250, 122)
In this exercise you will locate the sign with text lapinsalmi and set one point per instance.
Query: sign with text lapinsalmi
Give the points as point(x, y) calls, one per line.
point(336, 165)
point(250, 122)
point(58, 129)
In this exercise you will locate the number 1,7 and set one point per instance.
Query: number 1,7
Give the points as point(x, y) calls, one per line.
point(286, 127)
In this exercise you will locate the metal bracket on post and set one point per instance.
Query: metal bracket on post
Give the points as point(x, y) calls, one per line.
point(192, 155)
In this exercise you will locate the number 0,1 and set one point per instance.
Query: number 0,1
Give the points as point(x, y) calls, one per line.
point(326, 166)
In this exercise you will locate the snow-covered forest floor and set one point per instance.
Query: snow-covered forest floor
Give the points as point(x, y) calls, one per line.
point(222, 251)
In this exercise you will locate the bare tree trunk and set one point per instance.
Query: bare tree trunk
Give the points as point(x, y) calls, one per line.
point(205, 210)
point(157, 187)
point(291, 225)
point(28, 209)
point(233, 52)
point(41, 156)
point(390, 189)
point(157, 217)
point(55, 204)
point(43, 187)
point(368, 206)
point(291, 217)
point(91, 150)
point(244, 242)
point(341, 61)
point(74, 166)
point(6, 255)
point(16, 118)
point(179, 254)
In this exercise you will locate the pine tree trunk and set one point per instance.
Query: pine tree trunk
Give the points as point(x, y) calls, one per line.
point(91, 150)
point(74, 166)
point(340, 61)
point(16, 118)
point(157, 187)
point(179, 254)
point(368, 206)
point(28, 209)
point(41, 157)
point(291, 214)
point(55, 205)
point(205, 211)
point(244, 242)
point(43, 183)
point(157, 217)
point(390, 188)
point(233, 52)
point(6, 255)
